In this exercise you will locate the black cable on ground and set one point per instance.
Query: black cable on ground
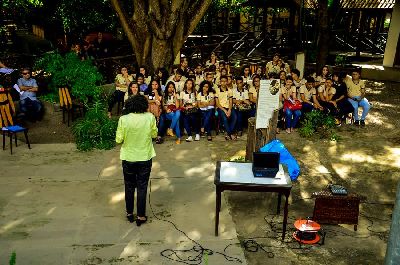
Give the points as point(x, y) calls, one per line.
point(194, 255)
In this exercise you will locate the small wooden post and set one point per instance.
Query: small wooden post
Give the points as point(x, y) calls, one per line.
point(257, 138)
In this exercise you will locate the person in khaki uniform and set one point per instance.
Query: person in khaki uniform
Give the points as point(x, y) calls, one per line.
point(224, 103)
point(356, 94)
point(241, 104)
point(276, 65)
point(122, 82)
point(308, 96)
point(288, 92)
point(205, 101)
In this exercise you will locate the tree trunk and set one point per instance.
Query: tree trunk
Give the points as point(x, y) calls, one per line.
point(158, 29)
point(323, 35)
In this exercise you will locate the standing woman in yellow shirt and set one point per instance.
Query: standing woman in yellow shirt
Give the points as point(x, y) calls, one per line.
point(135, 132)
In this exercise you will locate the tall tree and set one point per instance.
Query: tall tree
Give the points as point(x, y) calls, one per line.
point(157, 29)
point(323, 34)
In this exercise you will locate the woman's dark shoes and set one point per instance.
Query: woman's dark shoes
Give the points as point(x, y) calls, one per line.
point(130, 218)
point(139, 222)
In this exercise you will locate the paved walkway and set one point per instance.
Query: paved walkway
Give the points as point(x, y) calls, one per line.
point(60, 206)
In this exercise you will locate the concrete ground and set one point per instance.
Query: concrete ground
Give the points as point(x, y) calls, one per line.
point(61, 206)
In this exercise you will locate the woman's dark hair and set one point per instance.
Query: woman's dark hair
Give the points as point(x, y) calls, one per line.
point(325, 66)
point(193, 85)
point(145, 70)
point(256, 77)
point(210, 87)
point(167, 85)
point(149, 89)
point(283, 71)
point(296, 71)
point(165, 74)
point(136, 104)
point(129, 88)
point(244, 67)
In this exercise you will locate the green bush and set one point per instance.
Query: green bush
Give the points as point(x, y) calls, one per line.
point(316, 122)
point(340, 60)
point(51, 97)
point(82, 77)
point(95, 130)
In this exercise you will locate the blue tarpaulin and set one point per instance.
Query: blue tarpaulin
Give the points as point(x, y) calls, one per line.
point(286, 157)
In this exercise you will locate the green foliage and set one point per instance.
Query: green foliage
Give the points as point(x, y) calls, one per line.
point(316, 122)
point(386, 23)
point(13, 258)
point(238, 159)
point(234, 6)
point(95, 130)
point(81, 16)
point(81, 76)
point(51, 97)
point(18, 9)
point(340, 60)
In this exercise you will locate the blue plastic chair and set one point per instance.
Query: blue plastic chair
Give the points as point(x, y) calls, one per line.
point(7, 124)
point(12, 131)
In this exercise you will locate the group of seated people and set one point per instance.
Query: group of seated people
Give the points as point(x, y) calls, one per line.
point(200, 97)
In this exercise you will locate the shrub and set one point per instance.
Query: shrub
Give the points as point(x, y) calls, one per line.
point(82, 77)
point(317, 122)
point(95, 130)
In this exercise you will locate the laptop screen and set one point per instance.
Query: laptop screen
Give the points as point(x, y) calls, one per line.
point(266, 159)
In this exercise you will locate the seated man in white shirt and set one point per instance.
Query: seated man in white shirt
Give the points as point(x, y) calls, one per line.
point(177, 80)
point(29, 104)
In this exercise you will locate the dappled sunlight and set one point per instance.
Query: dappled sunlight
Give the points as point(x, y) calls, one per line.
point(10, 225)
point(22, 193)
point(156, 165)
point(127, 233)
point(133, 249)
point(377, 118)
point(110, 171)
point(321, 169)
point(394, 155)
point(181, 154)
point(358, 157)
point(117, 197)
point(389, 159)
point(50, 211)
point(342, 170)
point(195, 235)
point(163, 184)
point(195, 171)
point(307, 148)
point(238, 155)
point(333, 148)
point(160, 174)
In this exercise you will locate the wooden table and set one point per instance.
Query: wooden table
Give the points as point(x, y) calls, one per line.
point(239, 177)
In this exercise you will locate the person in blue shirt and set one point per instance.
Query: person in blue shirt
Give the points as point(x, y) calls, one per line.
point(29, 105)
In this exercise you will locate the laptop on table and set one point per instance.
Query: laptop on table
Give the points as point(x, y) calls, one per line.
point(265, 164)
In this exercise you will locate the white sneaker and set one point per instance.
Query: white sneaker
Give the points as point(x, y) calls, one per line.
point(189, 139)
point(197, 138)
